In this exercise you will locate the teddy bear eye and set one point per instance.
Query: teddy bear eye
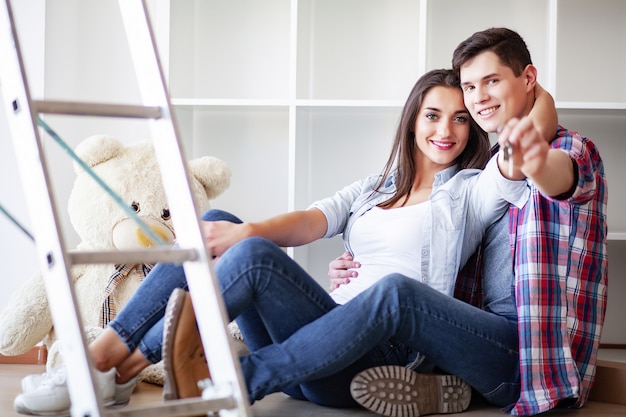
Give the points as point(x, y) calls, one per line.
point(166, 214)
point(135, 206)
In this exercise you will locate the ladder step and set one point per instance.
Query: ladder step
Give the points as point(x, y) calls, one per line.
point(169, 255)
point(97, 109)
point(186, 407)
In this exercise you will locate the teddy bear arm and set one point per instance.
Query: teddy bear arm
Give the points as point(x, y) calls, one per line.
point(26, 320)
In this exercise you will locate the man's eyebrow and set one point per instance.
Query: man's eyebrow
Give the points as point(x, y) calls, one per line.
point(486, 77)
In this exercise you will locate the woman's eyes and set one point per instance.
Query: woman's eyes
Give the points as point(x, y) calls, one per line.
point(433, 116)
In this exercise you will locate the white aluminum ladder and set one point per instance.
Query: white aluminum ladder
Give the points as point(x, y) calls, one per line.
point(230, 396)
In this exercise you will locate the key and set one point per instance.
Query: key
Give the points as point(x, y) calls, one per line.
point(507, 155)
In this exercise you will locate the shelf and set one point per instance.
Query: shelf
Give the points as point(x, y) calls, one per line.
point(203, 103)
point(616, 236)
point(586, 105)
point(590, 57)
point(446, 29)
point(351, 103)
point(356, 49)
point(237, 50)
point(613, 355)
point(199, 103)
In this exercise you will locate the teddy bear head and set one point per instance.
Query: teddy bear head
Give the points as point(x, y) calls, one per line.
point(132, 172)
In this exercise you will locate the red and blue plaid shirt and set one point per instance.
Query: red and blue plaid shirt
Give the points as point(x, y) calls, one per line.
point(560, 261)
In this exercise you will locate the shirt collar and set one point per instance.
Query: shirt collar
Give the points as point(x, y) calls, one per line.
point(441, 177)
point(444, 175)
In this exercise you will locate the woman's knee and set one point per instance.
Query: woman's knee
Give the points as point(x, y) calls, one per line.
point(213, 215)
point(253, 248)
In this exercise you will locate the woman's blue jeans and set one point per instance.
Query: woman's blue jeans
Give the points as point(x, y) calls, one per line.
point(306, 345)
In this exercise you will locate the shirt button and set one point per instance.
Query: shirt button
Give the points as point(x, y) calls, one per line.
point(424, 253)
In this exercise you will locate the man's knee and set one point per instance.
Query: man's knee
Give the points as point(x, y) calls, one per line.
point(395, 284)
point(397, 280)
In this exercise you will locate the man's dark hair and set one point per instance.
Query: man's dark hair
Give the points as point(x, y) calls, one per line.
point(508, 45)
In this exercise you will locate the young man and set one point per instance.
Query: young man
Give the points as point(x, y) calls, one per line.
point(557, 240)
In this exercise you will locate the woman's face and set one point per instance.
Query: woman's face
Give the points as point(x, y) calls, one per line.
point(442, 127)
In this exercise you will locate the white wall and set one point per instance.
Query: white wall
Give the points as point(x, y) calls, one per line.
point(81, 44)
point(17, 250)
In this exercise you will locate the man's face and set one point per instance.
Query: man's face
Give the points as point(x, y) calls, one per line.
point(491, 92)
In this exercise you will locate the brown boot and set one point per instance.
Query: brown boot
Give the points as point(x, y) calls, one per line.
point(183, 355)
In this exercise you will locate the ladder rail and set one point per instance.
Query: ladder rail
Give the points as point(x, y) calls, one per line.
point(40, 201)
point(96, 109)
point(210, 311)
point(186, 407)
point(56, 261)
point(133, 257)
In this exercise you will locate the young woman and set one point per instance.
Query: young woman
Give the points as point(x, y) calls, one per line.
point(423, 217)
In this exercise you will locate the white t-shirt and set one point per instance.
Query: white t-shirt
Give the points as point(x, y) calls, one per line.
point(384, 241)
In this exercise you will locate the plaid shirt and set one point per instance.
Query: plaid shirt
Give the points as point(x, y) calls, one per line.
point(560, 261)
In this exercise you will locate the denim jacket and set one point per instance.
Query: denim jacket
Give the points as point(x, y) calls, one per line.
point(461, 208)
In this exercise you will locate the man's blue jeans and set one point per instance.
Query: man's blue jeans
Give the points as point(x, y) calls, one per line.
point(306, 345)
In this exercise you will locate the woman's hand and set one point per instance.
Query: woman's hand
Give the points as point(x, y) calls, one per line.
point(338, 270)
point(221, 235)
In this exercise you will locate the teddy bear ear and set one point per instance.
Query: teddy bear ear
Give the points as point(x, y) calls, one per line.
point(97, 149)
point(212, 173)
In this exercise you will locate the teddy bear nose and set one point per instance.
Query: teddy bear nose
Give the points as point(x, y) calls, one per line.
point(128, 235)
point(145, 241)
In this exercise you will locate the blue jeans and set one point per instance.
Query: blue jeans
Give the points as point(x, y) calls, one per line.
point(306, 345)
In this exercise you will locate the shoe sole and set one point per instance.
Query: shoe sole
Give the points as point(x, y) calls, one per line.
point(197, 368)
point(395, 391)
point(172, 314)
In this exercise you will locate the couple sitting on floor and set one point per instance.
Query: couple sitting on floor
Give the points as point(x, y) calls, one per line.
point(520, 324)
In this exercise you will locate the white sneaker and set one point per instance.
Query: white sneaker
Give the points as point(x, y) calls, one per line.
point(51, 396)
point(121, 397)
point(31, 382)
point(123, 392)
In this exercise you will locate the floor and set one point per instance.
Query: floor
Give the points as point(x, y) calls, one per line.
point(276, 405)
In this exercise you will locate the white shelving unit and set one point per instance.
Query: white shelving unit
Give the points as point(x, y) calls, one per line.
point(302, 97)
point(313, 88)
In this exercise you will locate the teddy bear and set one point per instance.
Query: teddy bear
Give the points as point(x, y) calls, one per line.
point(101, 224)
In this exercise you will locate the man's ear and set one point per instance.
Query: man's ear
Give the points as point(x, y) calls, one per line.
point(530, 76)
